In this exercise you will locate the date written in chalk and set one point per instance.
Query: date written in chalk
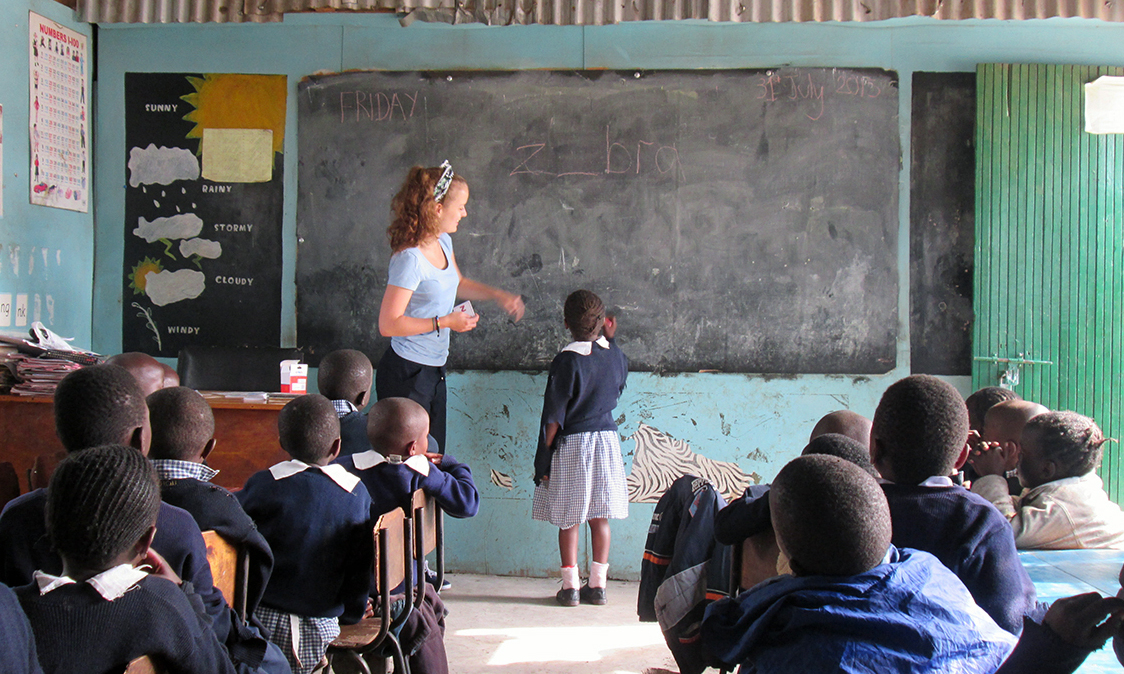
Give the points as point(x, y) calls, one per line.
point(377, 106)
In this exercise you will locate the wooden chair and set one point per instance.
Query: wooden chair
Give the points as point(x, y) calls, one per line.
point(230, 569)
point(9, 483)
point(372, 637)
point(429, 536)
point(754, 560)
point(143, 665)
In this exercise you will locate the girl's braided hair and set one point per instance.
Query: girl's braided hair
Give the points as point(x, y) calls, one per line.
point(100, 502)
point(585, 314)
point(1071, 440)
point(415, 208)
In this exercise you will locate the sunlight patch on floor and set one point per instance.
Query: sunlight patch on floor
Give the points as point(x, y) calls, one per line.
point(565, 644)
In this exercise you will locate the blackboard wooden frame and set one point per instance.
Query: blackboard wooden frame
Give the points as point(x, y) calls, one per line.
point(739, 220)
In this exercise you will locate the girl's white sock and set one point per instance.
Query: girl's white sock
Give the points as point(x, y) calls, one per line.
point(570, 579)
point(598, 574)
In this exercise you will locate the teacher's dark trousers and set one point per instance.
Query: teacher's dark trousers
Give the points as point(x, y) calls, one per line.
point(397, 377)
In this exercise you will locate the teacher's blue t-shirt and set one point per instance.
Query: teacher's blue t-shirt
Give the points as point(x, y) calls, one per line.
point(435, 293)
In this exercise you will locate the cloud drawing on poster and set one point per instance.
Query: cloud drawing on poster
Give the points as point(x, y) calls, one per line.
point(201, 247)
point(163, 165)
point(182, 226)
point(166, 287)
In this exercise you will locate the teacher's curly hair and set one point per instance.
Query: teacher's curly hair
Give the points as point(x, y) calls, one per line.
point(415, 207)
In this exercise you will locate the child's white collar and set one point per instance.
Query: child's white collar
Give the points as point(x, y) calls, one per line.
point(371, 458)
point(586, 348)
point(335, 472)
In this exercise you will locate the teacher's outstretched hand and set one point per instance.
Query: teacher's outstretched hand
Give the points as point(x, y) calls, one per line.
point(423, 286)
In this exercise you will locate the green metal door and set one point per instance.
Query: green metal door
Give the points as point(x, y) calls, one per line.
point(1049, 224)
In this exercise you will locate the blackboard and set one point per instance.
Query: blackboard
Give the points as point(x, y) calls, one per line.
point(222, 240)
point(738, 220)
point(942, 222)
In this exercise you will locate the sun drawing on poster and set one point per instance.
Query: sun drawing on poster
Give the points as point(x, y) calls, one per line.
point(231, 101)
point(137, 279)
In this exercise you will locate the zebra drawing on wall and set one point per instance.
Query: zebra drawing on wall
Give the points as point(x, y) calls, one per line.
point(660, 459)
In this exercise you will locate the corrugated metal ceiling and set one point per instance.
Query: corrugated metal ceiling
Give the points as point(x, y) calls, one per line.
point(594, 12)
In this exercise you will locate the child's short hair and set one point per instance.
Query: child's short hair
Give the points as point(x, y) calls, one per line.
point(585, 314)
point(844, 422)
point(848, 449)
point(98, 405)
point(1072, 441)
point(100, 502)
point(307, 427)
point(393, 423)
point(921, 424)
point(983, 400)
point(148, 371)
point(830, 517)
point(182, 423)
point(344, 375)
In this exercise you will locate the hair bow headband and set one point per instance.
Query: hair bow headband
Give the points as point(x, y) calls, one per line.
point(443, 183)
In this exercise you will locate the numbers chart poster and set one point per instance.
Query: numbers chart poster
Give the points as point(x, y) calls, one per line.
point(203, 208)
point(60, 125)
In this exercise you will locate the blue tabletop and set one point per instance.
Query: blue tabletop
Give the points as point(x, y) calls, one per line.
point(1064, 573)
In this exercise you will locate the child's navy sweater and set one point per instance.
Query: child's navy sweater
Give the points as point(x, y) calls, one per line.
point(79, 632)
point(322, 541)
point(25, 548)
point(215, 508)
point(971, 538)
point(581, 393)
point(16, 640)
point(391, 485)
point(353, 433)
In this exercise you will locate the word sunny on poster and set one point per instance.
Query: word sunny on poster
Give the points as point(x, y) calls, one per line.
point(203, 208)
point(59, 121)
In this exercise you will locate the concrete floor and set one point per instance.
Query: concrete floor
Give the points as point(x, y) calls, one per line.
point(513, 626)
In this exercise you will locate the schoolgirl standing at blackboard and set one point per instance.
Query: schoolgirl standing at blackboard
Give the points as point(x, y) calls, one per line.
point(579, 473)
point(424, 284)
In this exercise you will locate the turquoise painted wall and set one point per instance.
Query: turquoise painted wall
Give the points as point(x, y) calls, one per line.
point(757, 421)
point(59, 284)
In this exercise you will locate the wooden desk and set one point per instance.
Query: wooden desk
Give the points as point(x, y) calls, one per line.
point(246, 433)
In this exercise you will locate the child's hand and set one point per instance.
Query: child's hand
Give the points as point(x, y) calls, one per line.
point(434, 457)
point(975, 442)
point(158, 566)
point(512, 304)
point(459, 321)
point(610, 329)
point(990, 459)
point(369, 612)
point(1081, 620)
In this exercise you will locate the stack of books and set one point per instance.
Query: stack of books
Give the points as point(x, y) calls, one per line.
point(40, 376)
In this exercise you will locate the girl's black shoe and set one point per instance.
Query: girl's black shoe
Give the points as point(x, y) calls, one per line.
point(592, 595)
point(567, 597)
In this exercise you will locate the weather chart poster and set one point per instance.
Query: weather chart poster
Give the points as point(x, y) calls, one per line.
point(203, 204)
point(60, 127)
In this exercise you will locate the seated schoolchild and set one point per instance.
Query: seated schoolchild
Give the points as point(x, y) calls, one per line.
point(854, 603)
point(99, 405)
point(400, 462)
point(17, 642)
point(844, 422)
point(997, 454)
point(316, 518)
point(1063, 505)
point(918, 439)
point(345, 377)
point(977, 405)
point(149, 372)
point(183, 429)
point(399, 465)
point(749, 515)
point(114, 599)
